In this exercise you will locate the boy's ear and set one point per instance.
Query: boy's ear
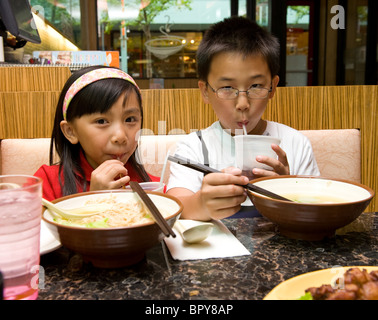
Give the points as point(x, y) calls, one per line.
point(203, 88)
point(275, 81)
point(68, 132)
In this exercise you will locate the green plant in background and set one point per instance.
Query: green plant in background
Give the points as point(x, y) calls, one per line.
point(148, 11)
point(106, 23)
point(362, 13)
point(151, 8)
point(300, 11)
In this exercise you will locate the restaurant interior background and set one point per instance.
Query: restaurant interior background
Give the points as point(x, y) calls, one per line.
point(313, 51)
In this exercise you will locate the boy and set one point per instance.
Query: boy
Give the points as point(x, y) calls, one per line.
point(237, 68)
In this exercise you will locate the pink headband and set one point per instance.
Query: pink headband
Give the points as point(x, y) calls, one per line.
point(93, 76)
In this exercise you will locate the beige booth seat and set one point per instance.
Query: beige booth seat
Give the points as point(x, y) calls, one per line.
point(338, 153)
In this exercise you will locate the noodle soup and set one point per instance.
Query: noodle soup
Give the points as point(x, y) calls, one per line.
point(118, 237)
point(121, 214)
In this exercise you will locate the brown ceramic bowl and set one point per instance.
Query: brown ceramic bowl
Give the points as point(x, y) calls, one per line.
point(311, 221)
point(112, 247)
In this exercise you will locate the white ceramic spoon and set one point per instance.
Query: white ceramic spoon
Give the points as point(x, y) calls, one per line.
point(194, 231)
point(77, 213)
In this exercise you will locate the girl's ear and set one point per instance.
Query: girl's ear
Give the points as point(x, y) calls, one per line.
point(203, 88)
point(68, 132)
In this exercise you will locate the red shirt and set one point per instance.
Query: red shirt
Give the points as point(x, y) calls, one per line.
point(51, 185)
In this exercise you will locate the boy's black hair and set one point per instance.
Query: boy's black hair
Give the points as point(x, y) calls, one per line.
point(239, 35)
point(99, 96)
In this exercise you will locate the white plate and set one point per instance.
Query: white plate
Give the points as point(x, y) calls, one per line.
point(295, 287)
point(48, 242)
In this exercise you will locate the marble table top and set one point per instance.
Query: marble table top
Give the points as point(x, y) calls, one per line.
point(273, 259)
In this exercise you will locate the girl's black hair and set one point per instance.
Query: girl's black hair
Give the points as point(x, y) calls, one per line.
point(240, 35)
point(99, 97)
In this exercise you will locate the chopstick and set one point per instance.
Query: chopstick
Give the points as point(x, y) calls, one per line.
point(163, 225)
point(120, 175)
point(206, 169)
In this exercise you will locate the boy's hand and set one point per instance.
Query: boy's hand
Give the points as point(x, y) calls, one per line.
point(280, 166)
point(107, 176)
point(220, 194)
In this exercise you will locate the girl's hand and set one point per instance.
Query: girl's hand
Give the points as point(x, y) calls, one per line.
point(280, 166)
point(220, 194)
point(111, 174)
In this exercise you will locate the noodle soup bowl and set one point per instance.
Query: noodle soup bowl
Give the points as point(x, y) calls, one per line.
point(112, 247)
point(320, 205)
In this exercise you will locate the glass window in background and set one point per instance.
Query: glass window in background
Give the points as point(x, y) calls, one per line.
point(176, 65)
point(262, 13)
point(355, 52)
point(185, 24)
point(298, 70)
point(63, 15)
point(185, 29)
point(242, 8)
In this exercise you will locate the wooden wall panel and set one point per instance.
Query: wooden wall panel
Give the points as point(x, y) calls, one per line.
point(18, 79)
point(27, 114)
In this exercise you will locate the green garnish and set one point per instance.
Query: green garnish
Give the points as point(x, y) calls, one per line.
point(306, 296)
point(98, 224)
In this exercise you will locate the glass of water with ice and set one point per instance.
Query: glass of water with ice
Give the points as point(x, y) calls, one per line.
point(20, 221)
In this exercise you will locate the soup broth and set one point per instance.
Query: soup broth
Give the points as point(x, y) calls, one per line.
point(314, 199)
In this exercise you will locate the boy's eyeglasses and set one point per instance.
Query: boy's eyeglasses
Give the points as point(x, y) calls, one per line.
point(230, 93)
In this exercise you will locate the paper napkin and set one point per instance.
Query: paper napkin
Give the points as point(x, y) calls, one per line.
point(220, 244)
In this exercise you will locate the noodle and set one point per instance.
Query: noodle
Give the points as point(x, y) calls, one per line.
point(121, 214)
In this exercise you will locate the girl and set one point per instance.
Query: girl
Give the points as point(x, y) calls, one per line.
point(97, 122)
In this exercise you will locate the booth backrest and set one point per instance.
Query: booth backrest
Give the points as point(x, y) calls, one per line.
point(23, 156)
point(338, 153)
